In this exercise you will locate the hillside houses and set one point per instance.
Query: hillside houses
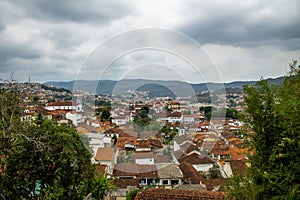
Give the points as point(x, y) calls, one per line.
point(177, 150)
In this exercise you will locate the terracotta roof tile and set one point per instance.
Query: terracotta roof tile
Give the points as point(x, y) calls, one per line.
point(124, 183)
point(143, 144)
point(167, 194)
point(212, 184)
point(189, 147)
point(238, 165)
point(190, 173)
point(100, 169)
point(196, 159)
point(135, 170)
point(170, 171)
point(62, 104)
point(104, 154)
point(156, 143)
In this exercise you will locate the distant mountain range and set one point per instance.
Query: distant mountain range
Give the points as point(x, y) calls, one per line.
point(156, 88)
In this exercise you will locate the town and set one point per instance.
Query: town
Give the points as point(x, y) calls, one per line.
point(140, 142)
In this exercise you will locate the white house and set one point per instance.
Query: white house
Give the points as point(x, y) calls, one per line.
point(64, 106)
point(75, 117)
point(98, 141)
point(169, 174)
point(106, 156)
point(120, 120)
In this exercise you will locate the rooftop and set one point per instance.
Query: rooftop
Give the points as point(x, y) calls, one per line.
point(166, 194)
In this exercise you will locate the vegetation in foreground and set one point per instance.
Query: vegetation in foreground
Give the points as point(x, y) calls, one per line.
point(272, 112)
point(42, 160)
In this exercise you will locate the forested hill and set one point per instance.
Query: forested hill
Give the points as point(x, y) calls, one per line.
point(154, 87)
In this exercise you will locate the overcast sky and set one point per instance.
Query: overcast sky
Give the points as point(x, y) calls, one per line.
point(53, 41)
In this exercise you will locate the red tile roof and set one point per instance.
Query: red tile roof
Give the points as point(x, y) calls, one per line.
point(196, 159)
point(190, 173)
point(156, 143)
point(166, 194)
point(237, 165)
point(104, 154)
point(135, 170)
point(67, 103)
point(124, 183)
point(100, 169)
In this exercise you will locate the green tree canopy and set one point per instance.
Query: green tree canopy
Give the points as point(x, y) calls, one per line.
point(43, 160)
point(273, 114)
point(142, 119)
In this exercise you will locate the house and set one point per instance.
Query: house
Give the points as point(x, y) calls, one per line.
point(220, 151)
point(175, 106)
point(170, 117)
point(146, 174)
point(234, 166)
point(190, 174)
point(97, 140)
point(149, 158)
point(106, 156)
point(168, 194)
point(143, 146)
point(120, 120)
point(174, 117)
point(155, 143)
point(64, 106)
point(199, 162)
point(190, 119)
point(128, 143)
point(75, 117)
point(204, 126)
point(179, 140)
point(169, 174)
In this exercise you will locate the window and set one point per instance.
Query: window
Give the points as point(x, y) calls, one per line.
point(174, 182)
point(165, 182)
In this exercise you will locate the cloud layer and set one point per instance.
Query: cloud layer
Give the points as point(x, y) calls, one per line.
point(50, 41)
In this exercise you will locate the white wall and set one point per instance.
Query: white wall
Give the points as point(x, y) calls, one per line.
point(203, 167)
point(144, 161)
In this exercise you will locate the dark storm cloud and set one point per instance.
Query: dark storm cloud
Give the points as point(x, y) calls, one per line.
point(78, 11)
point(18, 51)
point(274, 24)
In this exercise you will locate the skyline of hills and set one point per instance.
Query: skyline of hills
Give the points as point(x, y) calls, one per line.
point(156, 88)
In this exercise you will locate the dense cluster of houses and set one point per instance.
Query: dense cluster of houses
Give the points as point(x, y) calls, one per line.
point(200, 157)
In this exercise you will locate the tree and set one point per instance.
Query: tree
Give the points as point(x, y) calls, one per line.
point(105, 114)
point(41, 161)
point(101, 185)
point(232, 113)
point(131, 195)
point(273, 114)
point(49, 157)
point(207, 111)
point(142, 119)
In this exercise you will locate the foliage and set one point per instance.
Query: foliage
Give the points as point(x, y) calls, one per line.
point(101, 103)
point(142, 119)
point(273, 114)
point(230, 112)
point(55, 89)
point(207, 111)
point(43, 160)
point(104, 113)
point(214, 172)
point(131, 195)
point(101, 185)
